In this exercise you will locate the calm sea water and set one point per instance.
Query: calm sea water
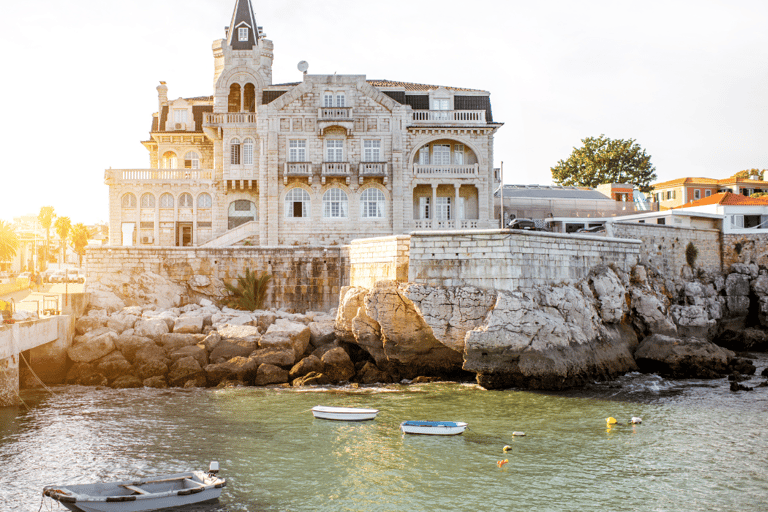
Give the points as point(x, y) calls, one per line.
point(700, 447)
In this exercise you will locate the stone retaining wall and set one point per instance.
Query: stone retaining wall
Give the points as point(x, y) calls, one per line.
point(740, 248)
point(303, 278)
point(376, 259)
point(507, 260)
point(664, 246)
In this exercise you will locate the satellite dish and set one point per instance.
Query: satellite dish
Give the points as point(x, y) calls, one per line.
point(303, 66)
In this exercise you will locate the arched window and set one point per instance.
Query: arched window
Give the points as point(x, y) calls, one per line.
point(248, 151)
point(297, 203)
point(185, 200)
point(234, 151)
point(147, 200)
point(372, 204)
point(204, 201)
point(166, 200)
point(335, 204)
point(240, 212)
point(129, 200)
point(249, 98)
point(234, 98)
point(170, 161)
point(191, 160)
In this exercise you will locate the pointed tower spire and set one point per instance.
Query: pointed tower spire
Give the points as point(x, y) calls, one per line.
point(243, 32)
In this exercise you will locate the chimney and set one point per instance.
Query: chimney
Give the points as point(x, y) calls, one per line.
point(162, 97)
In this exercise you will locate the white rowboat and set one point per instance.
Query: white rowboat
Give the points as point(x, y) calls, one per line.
point(433, 428)
point(343, 413)
point(158, 492)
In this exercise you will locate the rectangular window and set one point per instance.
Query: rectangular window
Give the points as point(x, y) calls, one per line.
point(443, 208)
point(234, 153)
point(458, 154)
point(297, 150)
point(372, 151)
point(424, 156)
point(737, 221)
point(697, 194)
point(180, 115)
point(424, 208)
point(334, 150)
point(441, 154)
point(440, 105)
point(707, 193)
point(328, 100)
point(242, 33)
point(661, 221)
point(248, 153)
point(341, 101)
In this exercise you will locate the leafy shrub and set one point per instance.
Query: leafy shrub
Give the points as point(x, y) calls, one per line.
point(691, 253)
point(248, 292)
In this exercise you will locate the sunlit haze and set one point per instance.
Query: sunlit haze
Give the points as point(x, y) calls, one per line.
point(685, 79)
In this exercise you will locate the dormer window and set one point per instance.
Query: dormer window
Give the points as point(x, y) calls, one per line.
point(180, 115)
point(242, 33)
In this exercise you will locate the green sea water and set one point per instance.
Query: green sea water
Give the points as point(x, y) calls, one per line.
point(700, 447)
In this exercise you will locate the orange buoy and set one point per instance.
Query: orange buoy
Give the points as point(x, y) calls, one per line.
point(502, 462)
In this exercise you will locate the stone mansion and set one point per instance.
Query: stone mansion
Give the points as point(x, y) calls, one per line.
point(319, 162)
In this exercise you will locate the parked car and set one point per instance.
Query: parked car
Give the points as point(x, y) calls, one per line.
point(522, 224)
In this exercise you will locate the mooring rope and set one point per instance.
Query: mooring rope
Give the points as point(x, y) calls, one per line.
point(35, 375)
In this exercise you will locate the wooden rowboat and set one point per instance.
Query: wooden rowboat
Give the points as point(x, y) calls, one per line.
point(162, 491)
point(343, 413)
point(433, 428)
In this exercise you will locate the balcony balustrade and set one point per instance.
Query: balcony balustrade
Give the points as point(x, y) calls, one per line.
point(336, 169)
point(157, 175)
point(446, 171)
point(427, 224)
point(372, 169)
point(228, 118)
point(448, 117)
point(335, 113)
point(300, 169)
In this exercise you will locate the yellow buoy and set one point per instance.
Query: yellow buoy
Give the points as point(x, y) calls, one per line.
point(506, 448)
point(611, 420)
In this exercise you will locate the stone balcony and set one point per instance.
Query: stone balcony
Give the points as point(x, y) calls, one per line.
point(440, 117)
point(446, 171)
point(179, 176)
point(372, 170)
point(335, 116)
point(215, 119)
point(297, 169)
point(426, 224)
point(342, 169)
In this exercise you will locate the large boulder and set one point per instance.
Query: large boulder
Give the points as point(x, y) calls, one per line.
point(311, 379)
point(158, 382)
point(337, 365)
point(188, 325)
point(89, 323)
point(87, 350)
point(184, 370)
point(128, 345)
point(371, 374)
point(238, 368)
point(121, 322)
point(322, 333)
point(174, 341)
point(150, 361)
point(284, 334)
point(650, 314)
point(270, 374)
point(100, 297)
point(682, 357)
point(310, 363)
point(151, 328)
point(275, 356)
point(127, 381)
point(693, 321)
point(227, 349)
point(113, 365)
point(85, 374)
point(350, 301)
point(198, 352)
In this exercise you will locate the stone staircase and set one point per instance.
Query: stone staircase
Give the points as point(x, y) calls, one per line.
point(235, 235)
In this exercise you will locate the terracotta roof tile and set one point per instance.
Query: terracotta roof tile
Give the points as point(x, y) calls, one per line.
point(728, 199)
point(409, 86)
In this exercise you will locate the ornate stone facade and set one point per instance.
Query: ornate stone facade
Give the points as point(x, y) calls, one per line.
point(319, 162)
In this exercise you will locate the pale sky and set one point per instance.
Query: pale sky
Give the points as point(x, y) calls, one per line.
point(686, 79)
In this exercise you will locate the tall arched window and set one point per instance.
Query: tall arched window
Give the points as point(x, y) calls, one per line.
point(170, 160)
point(147, 200)
point(166, 200)
point(240, 212)
point(129, 201)
point(335, 203)
point(185, 200)
point(234, 152)
point(297, 203)
point(372, 204)
point(248, 151)
point(204, 201)
point(249, 98)
point(234, 98)
point(191, 160)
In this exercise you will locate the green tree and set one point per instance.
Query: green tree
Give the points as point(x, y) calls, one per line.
point(79, 238)
point(63, 225)
point(249, 291)
point(9, 241)
point(45, 218)
point(743, 175)
point(603, 160)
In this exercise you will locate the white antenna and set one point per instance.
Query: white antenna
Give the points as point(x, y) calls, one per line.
point(303, 66)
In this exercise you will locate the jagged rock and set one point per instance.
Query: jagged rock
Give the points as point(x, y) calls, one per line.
point(263, 319)
point(308, 364)
point(184, 370)
point(311, 379)
point(275, 355)
point(90, 349)
point(127, 381)
point(85, 374)
point(232, 332)
point(693, 321)
point(195, 351)
point(749, 270)
point(337, 365)
point(226, 350)
point(172, 341)
point(197, 381)
point(367, 334)
point(735, 386)
point(113, 365)
point(747, 340)
point(270, 374)
point(238, 368)
point(741, 366)
point(150, 361)
point(610, 294)
point(649, 314)
point(211, 340)
point(158, 382)
point(322, 333)
point(682, 358)
point(89, 323)
point(151, 328)
point(188, 325)
point(285, 333)
point(120, 322)
point(350, 301)
point(371, 374)
point(103, 298)
point(128, 345)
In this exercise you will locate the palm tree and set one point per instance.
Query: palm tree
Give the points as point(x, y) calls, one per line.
point(249, 292)
point(79, 238)
point(9, 241)
point(45, 218)
point(63, 225)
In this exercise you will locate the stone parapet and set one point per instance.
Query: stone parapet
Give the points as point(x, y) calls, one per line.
point(378, 259)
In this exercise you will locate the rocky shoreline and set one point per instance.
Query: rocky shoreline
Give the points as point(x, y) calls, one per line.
point(549, 338)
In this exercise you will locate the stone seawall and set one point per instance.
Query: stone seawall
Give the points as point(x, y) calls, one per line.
point(303, 278)
point(512, 259)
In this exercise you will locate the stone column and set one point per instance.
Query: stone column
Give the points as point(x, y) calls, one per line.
point(433, 206)
point(456, 187)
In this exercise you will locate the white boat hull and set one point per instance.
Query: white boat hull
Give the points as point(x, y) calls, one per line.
point(343, 413)
point(433, 428)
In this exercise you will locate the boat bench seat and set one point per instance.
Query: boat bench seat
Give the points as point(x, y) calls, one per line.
point(135, 489)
